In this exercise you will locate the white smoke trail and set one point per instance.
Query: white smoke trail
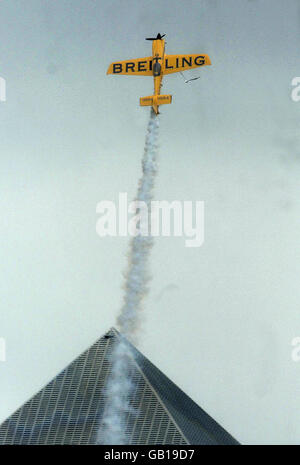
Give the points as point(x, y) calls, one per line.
point(119, 385)
point(137, 275)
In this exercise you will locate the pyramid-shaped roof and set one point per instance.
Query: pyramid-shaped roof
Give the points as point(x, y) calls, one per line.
point(68, 410)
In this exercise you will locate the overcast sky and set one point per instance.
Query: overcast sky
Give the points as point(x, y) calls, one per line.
point(219, 319)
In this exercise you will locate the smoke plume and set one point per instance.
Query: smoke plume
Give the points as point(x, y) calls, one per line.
point(119, 385)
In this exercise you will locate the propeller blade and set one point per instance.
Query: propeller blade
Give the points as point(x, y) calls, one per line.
point(158, 37)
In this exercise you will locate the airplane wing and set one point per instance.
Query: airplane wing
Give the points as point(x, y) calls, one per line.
point(138, 67)
point(176, 63)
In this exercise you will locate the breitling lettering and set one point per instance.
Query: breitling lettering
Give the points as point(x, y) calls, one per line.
point(139, 66)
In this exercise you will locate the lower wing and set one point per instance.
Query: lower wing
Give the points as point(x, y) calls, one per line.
point(176, 63)
point(138, 67)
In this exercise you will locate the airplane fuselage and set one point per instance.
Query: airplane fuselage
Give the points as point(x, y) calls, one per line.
point(158, 55)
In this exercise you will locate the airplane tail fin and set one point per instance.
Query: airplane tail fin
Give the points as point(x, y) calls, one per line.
point(154, 100)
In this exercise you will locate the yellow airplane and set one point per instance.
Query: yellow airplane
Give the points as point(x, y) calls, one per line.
point(157, 66)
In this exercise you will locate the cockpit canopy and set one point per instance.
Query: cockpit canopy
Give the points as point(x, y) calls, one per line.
point(156, 69)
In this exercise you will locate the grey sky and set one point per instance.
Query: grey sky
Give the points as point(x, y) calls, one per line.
point(72, 136)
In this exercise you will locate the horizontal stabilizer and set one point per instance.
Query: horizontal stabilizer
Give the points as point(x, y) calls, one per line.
point(162, 99)
point(146, 101)
point(155, 100)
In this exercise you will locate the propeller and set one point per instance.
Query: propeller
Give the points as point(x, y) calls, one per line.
point(158, 37)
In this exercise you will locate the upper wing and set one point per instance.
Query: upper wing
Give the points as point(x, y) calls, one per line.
point(138, 67)
point(175, 63)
